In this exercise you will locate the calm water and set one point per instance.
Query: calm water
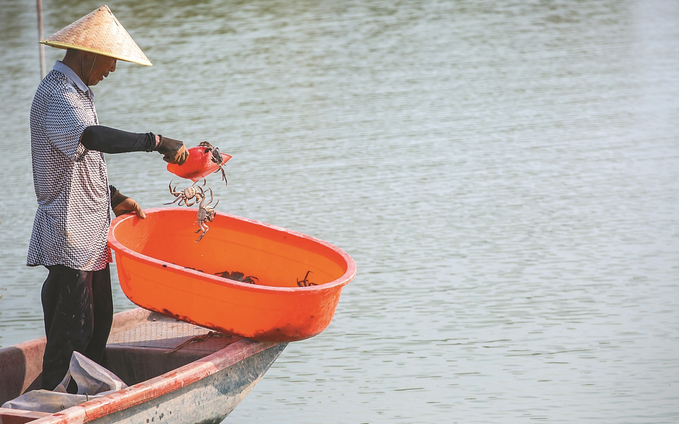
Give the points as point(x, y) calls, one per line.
point(505, 174)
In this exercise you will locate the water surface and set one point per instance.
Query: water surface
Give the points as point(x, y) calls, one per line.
point(505, 174)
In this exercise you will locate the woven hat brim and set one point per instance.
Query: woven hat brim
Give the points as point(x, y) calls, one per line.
point(103, 53)
point(99, 32)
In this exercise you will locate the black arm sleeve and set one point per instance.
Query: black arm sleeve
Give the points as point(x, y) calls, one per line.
point(111, 140)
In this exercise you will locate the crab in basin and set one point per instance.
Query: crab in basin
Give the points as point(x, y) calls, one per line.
point(238, 276)
point(206, 213)
point(305, 282)
point(189, 196)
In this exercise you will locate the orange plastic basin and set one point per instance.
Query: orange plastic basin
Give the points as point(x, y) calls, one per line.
point(162, 268)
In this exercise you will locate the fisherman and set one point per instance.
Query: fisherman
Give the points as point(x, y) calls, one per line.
point(71, 184)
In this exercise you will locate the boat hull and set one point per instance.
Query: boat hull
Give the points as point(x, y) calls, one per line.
point(208, 400)
point(176, 372)
point(297, 280)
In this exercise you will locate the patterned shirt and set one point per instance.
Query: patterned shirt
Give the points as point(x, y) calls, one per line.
point(71, 182)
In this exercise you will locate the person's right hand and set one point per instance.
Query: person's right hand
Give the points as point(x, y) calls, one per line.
point(129, 205)
point(173, 151)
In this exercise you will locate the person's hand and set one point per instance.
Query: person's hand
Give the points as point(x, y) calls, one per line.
point(129, 205)
point(173, 151)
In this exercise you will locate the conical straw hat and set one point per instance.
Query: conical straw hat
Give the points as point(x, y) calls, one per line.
point(101, 33)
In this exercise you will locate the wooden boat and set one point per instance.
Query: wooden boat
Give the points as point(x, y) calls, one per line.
point(291, 282)
point(177, 373)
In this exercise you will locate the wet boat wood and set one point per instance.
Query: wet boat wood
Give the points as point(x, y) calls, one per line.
point(177, 373)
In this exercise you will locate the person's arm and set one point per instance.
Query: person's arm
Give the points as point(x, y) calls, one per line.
point(110, 140)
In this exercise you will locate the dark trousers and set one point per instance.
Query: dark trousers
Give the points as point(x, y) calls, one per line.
point(78, 311)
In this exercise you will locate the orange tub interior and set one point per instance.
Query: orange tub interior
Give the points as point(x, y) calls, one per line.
point(161, 267)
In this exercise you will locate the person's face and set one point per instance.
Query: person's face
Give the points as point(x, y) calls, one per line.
point(100, 68)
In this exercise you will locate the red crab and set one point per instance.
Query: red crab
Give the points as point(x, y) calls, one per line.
point(203, 160)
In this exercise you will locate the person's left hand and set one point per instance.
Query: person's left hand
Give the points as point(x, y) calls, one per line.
point(129, 205)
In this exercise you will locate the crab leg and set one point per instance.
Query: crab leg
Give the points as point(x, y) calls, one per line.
point(223, 175)
point(205, 230)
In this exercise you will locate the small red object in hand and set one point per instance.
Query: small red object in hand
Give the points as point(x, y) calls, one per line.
point(203, 160)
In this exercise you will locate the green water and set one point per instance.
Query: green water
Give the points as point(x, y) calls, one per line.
point(505, 174)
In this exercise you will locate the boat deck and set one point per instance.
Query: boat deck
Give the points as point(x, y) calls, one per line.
point(164, 361)
point(153, 344)
point(161, 332)
point(142, 345)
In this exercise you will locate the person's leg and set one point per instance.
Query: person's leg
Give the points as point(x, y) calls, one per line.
point(102, 300)
point(70, 320)
point(49, 296)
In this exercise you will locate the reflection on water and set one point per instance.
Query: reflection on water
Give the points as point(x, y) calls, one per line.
point(505, 174)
